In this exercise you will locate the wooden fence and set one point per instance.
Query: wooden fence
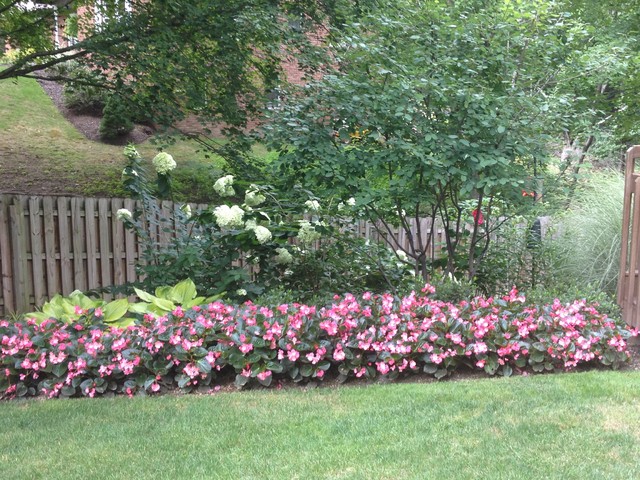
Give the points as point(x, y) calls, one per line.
point(52, 245)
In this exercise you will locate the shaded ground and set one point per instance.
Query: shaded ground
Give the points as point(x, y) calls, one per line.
point(88, 125)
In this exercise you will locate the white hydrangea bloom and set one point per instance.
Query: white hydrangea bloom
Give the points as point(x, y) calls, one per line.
point(163, 163)
point(307, 233)
point(262, 234)
point(228, 217)
point(224, 186)
point(124, 214)
point(402, 255)
point(312, 205)
point(283, 256)
point(253, 198)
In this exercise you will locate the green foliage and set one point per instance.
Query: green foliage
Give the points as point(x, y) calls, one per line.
point(167, 299)
point(116, 120)
point(519, 256)
point(84, 99)
point(344, 262)
point(244, 248)
point(418, 120)
point(78, 306)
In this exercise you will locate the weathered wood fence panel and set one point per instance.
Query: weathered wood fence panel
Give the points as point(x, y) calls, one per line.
point(51, 245)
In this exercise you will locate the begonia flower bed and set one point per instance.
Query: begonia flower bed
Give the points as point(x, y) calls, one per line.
point(367, 336)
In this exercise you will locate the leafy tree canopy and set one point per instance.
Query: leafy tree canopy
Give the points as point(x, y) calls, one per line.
point(431, 104)
point(166, 57)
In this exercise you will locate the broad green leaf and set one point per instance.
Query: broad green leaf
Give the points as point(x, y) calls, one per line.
point(114, 310)
point(184, 291)
point(144, 296)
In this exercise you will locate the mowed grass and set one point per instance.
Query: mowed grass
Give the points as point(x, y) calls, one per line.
point(41, 152)
point(573, 426)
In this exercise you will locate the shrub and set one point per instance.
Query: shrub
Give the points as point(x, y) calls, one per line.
point(82, 93)
point(369, 336)
point(116, 120)
point(245, 246)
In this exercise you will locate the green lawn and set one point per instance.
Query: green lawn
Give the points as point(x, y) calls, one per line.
point(573, 426)
point(41, 152)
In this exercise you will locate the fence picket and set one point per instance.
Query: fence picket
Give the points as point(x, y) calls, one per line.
point(19, 244)
point(37, 251)
point(8, 303)
point(64, 245)
point(79, 245)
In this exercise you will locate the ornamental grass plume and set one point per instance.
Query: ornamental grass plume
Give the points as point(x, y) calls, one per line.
point(591, 234)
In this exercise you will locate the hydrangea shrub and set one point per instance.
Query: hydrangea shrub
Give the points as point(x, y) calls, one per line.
point(368, 336)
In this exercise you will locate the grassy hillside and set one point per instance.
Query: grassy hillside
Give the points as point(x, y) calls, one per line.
point(41, 152)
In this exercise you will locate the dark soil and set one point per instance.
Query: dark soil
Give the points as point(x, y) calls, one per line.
point(89, 125)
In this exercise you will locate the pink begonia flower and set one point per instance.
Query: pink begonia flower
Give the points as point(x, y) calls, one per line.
point(264, 375)
point(246, 372)
point(98, 312)
point(191, 370)
point(382, 367)
point(293, 355)
point(155, 387)
point(338, 354)
point(246, 348)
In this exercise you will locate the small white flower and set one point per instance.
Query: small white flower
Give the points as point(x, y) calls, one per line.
point(351, 202)
point(262, 234)
point(241, 292)
point(402, 255)
point(288, 272)
point(163, 163)
point(312, 205)
point(224, 186)
point(340, 206)
point(123, 214)
point(283, 256)
point(228, 217)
